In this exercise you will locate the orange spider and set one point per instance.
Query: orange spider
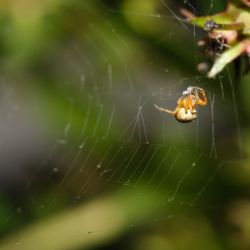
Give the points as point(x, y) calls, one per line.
point(185, 110)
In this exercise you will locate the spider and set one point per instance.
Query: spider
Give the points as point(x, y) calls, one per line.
point(185, 110)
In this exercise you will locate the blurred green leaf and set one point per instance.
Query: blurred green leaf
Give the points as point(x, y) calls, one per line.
point(225, 58)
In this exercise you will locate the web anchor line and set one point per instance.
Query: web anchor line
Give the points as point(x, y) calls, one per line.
point(213, 151)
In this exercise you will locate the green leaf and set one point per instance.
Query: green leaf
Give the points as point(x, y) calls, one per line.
point(222, 18)
point(244, 17)
point(225, 58)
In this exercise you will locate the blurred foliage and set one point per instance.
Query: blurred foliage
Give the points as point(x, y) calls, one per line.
point(230, 30)
point(87, 163)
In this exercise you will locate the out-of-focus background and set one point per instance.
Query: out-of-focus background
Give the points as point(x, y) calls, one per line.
point(87, 162)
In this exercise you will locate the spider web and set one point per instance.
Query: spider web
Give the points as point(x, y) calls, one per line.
point(106, 137)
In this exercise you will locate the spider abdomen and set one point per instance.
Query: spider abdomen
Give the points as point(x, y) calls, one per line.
point(184, 116)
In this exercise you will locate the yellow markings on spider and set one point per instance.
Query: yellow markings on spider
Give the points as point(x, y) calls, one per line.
point(185, 110)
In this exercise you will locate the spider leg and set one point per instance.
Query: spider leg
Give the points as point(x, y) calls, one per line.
point(187, 104)
point(203, 100)
point(164, 110)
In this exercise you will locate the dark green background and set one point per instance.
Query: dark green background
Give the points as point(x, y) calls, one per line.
point(77, 170)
